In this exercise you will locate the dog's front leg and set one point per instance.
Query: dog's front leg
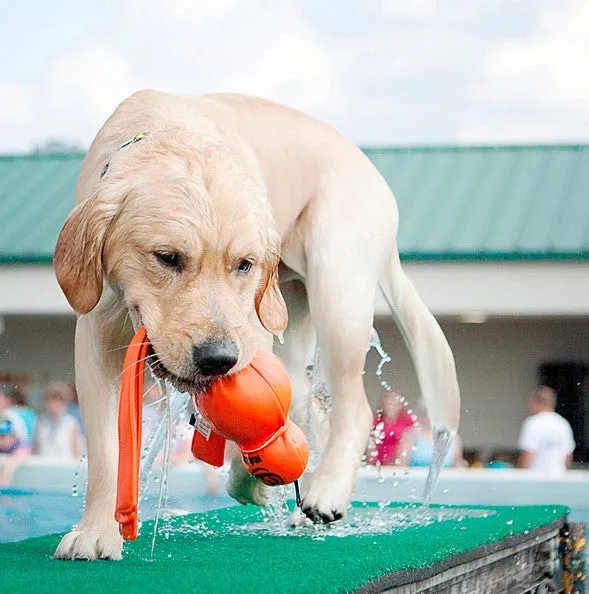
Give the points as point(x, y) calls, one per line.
point(244, 487)
point(99, 359)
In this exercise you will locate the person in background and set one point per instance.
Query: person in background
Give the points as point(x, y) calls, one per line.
point(546, 440)
point(389, 427)
point(13, 438)
point(502, 459)
point(16, 451)
point(26, 413)
point(417, 444)
point(7, 411)
point(58, 433)
point(473, 458)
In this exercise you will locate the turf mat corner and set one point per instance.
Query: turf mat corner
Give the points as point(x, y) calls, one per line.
point(234, 550)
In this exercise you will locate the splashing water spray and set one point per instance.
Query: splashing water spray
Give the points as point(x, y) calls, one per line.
point(318, 400)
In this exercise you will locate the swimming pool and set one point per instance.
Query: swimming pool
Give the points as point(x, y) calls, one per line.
point(24, 514)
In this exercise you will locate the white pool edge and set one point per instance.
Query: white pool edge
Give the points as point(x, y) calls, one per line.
point(456, 486)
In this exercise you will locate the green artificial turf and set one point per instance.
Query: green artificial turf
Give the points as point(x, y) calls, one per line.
point(233, 550)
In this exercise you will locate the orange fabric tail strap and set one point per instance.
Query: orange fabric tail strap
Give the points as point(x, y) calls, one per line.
point(130, 421)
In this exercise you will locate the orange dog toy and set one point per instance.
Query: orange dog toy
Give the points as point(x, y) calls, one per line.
point(249, 408)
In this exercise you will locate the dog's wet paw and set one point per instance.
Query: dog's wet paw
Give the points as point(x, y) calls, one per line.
point(90, 544)
point(244, 488)
point(327, 498)
point(318, 516)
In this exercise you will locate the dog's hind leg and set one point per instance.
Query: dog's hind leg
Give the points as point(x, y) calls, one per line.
point(100, 349)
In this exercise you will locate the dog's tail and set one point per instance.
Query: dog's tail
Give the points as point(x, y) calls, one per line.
point(429, 349)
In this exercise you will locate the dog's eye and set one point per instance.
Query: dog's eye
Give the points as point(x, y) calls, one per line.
point(168, 259)
point(245, 266)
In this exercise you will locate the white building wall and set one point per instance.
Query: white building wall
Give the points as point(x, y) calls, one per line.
point(448, 288)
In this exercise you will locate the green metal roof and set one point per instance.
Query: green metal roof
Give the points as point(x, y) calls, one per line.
point(456, 203)
point(36, 195)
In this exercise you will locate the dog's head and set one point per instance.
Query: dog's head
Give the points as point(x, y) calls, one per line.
point(186, 237)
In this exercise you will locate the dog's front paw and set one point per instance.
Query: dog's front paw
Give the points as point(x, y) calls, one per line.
point(244, 488)
point(91, 543)
point(327, 497)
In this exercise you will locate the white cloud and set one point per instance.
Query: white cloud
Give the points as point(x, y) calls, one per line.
point(288, 63)
point(180, 12)
point(552, 66)
point(17, 114)
point(81, 90)
point(537, 87)
point(16, 102)
point(415, 9)
point(96, 76)
point(256, 47)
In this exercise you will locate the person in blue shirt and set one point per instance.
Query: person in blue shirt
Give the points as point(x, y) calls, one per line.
point(25, 412)
point(13, 439)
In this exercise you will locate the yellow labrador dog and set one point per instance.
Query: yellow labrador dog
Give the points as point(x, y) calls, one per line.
point(188, 208)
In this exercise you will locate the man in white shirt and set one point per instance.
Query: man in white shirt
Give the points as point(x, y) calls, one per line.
point(546, 439)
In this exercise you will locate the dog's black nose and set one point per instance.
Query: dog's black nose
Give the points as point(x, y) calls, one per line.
point(215, 358)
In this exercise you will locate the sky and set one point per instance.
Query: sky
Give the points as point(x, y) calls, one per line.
point(384, 72)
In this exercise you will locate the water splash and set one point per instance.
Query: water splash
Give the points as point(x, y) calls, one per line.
point(177, 402)
point(319, 395)
point(377, 346)
point(318, 405)
point(360, 521)
point(318, 401)
point(163, 492)
point(442, 441)
point(161, 437)
point(276, 510)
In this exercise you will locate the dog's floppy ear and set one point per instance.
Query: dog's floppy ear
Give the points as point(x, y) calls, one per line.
point(77, 260)
point(270, 305)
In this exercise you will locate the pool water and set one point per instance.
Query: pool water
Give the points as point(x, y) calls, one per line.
point(34, 513)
